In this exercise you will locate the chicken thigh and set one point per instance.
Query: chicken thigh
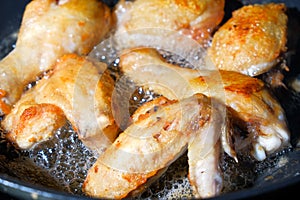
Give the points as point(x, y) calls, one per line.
point(77, 90)
point(159, 19)
point(49, 29)
point(252, 41)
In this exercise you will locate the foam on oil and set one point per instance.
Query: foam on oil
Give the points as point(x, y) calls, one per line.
point(62, 163)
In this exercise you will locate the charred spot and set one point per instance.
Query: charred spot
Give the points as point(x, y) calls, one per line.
point(200, 79)
point(96, 169)
point(156, 136)
point(118, 143)
point(233, 27)
point(167, 125)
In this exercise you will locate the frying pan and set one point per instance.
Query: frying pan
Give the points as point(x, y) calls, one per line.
point(279, 175)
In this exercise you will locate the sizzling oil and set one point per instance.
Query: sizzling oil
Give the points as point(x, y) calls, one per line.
point(62, 163)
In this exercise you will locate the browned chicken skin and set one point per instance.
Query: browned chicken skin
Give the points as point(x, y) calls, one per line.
point(49, 29)
point(151, 143)
point(163, 129)
point(158, 19)
point(77, 90)
point(252, 41)
point(248, 100)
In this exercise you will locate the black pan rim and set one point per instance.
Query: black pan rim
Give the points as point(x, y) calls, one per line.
point(21, 189)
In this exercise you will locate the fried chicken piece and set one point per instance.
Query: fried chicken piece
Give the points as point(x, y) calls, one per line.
point(250, 103)
point(36, 124)
point(252, 41)
point(50, 29)
point(205, 175)
point(149, 145)
point(159, 19)
point(78, 90)
point(204, 150)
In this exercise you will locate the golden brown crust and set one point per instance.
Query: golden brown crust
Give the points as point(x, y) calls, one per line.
point(28, 132)
point(94, 18)
point(237, 83)
point(147, 146)
point(50, 29)
point(160, 18)
point(252, 40)
point(248, 99)
point(81, 89)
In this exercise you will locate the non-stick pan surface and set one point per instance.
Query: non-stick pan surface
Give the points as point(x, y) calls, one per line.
point(280, 180)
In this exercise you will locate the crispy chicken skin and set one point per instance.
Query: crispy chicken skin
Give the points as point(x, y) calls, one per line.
point(158, 19)
point(77, 90)
point(150, 144)
point(50, 29)
point(251, 42)
point(248, 100)
point(36, 124)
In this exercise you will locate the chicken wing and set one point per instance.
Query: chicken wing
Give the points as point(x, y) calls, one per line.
point(158, 19)
point(248, 100)
point(205, 175)
point(204, 150)
point(149, 145)
point(252, 41)
point(49, 29)
point(78, 90)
